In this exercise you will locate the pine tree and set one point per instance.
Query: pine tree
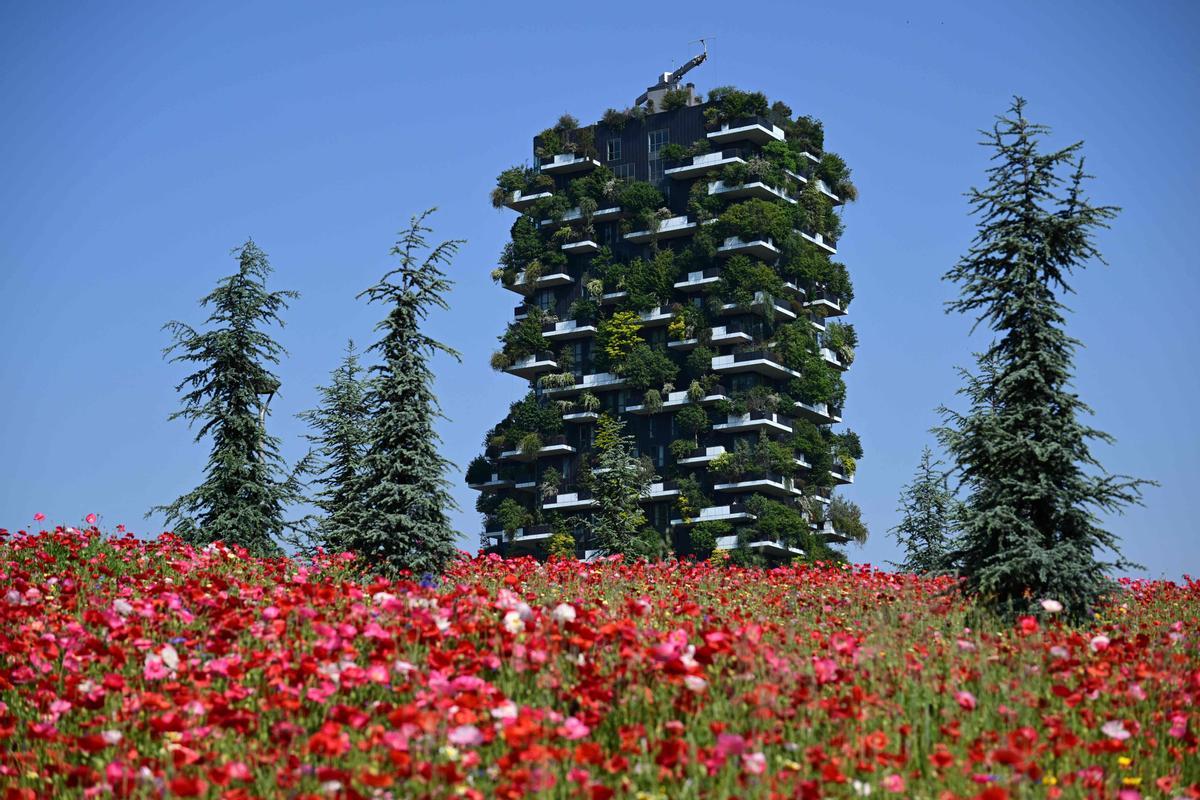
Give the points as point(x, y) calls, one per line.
point(402, 524)
point(619, 481)
point(246, 486)
point(1030, 528)
point(341, 424)
point(926, 530)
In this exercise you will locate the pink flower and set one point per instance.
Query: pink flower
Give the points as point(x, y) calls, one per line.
point(1129, 794)
point(730, 744)
point(1179, 725)
point(1051, 606)
point(154, 670)
point(38, 517)
point(466, 736)
point(825, 669)
point(90, 519)
point(965, 700)
point(573, 729)
point(1115, 729)
point(893, 783)
point(754, 763)
point(1100, 642)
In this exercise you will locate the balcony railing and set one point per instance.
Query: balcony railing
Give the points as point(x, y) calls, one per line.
point(706, 162)
point(565, 163)
point(759, 130)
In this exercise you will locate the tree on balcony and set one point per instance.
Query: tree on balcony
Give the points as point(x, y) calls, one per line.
point(246, 485)
point(403, 523)
point(1030, 528)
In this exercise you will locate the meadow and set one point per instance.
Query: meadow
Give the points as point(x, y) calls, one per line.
point(133, 668)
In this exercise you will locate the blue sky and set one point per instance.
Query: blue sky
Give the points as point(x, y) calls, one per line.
point(142, 141)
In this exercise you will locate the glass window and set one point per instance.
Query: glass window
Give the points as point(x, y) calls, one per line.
point(626, 171)
point(656, 170)
point(614, 150)
point(657, 140)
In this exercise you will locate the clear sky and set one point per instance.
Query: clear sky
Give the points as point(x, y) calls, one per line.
point(142, 141)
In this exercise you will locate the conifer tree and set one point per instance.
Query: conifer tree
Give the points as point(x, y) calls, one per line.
point(1030, 529)
point(619, 481)
point(402, 524)
point(926, 529)
point(341, 434)
point(246, 486)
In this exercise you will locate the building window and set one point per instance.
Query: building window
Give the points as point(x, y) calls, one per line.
point(627, 171)
point(657, 141)
point(656, 170)
point(614, 150)
point(545, 300)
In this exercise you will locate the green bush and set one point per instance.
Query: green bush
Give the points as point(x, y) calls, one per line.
point(703, 538)
point(691, 419)
point(646, 367)
point(511, 515)
point(479, 470)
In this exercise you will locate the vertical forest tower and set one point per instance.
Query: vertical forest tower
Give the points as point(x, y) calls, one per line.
point(675, 266)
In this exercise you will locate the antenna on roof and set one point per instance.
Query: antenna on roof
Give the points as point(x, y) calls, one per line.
point(670, 80)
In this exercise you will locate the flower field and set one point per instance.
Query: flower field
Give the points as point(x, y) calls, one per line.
point(152, 669)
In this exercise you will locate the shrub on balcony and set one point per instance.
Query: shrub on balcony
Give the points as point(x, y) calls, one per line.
point(528, 414)
point(646, 367)
point(524, 337)
point(757, 219)
point(617, 336)
point(806, 134)
point(600, 186)
point(728, 103)
point(691, 498)
point(652, 401)
point(530, 443)
point(699, 362)
point(589, 402)
point(704, 537)
point(833, 170)
point(557, 380)
point(511, 516)
point(842, 339)
point(640, 200)
point(562, 545)
point(682, 448)
point(675, 98)
point(617, 120)
point(847, 519)
point(743, 277)
point(583, 308)
point(649, 282)
point(479, 470)
point(501, 360)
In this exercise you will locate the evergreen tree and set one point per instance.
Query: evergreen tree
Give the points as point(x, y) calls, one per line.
point(402, 524)
point(619, 481)
point(341, 434)
point(926, 530)
point(246, 485)
point(1030, 528)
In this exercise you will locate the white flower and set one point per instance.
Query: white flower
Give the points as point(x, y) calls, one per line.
point(170, 657)
point(111, 737)
point(513, 622)
point(1051, 606)
point(122, 607)
point(861, 789)
point(506, 710)
point(694, 683)
point(1115, 729)
point(563, 612)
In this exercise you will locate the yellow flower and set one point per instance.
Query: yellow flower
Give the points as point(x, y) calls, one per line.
point(1049, 780)
point(1131, 781)
point(794, 766)
point(1124, 761)
point(449, 752)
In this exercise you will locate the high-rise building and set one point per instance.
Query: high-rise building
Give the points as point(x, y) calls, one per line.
point(675, 264)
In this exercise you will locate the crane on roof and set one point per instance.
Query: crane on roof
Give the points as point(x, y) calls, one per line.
point(670, 80)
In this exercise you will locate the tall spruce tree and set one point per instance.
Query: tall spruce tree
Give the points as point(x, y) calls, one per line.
point(1030, 528)
point(926, 528)
point(618, 483)
point(340, 438)
point(402, 524)
point(246, 486)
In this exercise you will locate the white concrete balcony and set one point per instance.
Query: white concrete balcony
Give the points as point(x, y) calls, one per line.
point(521, 284)
point(826, 244)
point(723, 335)
point(730, 513)
point(761, 421)
point(762, 483)
point(554, 448)
point(656, 316)
point(738, 191)
point(769, 548)
point(809, 167)
point(698, 281)
point(567, 163)
point(581, 417)
point(824, 303)
point(703, 455)
point(705, 162)
point(575, 215)
point(759, 361)
point(676, 400)
point(599, 381)
point(762, 302)
point(661, 490)
point(584, 247)
point(751, 129)
point(832, 359)
point(667, 229)
point(570, 501)
point(684, 345)
point(519, 201)
point(492, 484)
point(569, 329)
point(532, 365)
point(818, 413)
point(526, 486)
point(758, 248)
point(608, 298)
